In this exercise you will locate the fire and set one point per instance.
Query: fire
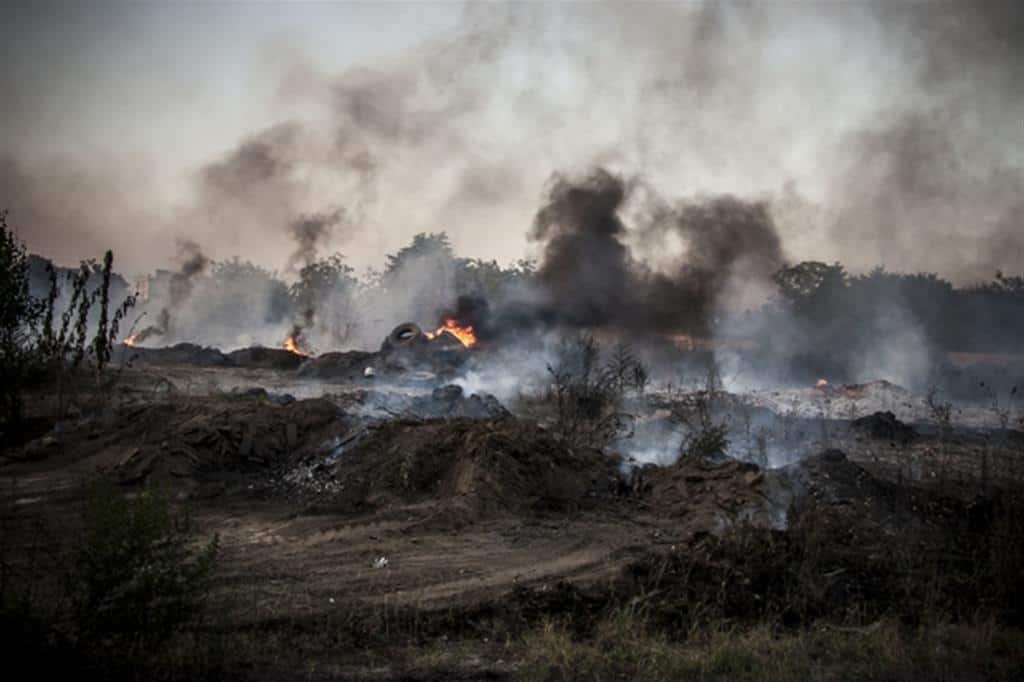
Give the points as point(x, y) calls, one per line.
point(130, 340)
point(291, 346)
point(464, 334)
point(821, 383)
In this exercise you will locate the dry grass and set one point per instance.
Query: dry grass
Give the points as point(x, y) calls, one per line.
point(623, 647)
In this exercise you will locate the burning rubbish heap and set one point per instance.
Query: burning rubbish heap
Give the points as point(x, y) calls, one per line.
point(409, 337)
point(407, 352)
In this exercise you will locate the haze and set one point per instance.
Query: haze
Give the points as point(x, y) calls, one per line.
point(879, 134)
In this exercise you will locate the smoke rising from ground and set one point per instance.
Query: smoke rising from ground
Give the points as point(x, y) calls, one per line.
point(181, 285)
point(309, 232)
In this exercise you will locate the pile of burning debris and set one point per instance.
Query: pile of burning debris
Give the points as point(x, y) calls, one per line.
point(407, 351)
point(449, 334)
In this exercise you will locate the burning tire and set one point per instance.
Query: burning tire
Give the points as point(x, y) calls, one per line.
point(403, 336)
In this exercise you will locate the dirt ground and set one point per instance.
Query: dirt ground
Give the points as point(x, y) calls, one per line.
point(374, 507)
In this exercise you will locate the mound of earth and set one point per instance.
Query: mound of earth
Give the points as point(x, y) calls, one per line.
point(830, 484)
point(179, 354)
point(830, 478)
point(885, 426)
point(180, 444)
point(469, 467)
point(265, 358)
point(708, 496)
point(349, 365)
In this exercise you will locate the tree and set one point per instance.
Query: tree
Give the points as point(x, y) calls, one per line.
point(434, 249)
point(19, 313)
point(418, 281)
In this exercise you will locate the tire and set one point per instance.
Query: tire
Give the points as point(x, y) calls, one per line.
point(404, 335)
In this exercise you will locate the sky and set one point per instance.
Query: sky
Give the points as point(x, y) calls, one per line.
point(879, 133)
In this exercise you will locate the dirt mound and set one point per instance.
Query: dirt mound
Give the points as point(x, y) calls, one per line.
point(181, 444)
point(885, 426)
point(706, 495)
point(831, 484)
point(265, 358)
point(474, 466)
point(852, 545)
point(709, 496)
point(829, 477)
point(180, 354)
point(349, 365)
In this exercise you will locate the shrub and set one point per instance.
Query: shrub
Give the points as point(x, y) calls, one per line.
point(703, 436)
point(18, 314)
point(137, 580)
point(587, 394)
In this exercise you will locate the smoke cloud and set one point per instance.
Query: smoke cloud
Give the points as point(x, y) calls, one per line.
point(309, 232)
point(593, 278)
point(180, 286)
point(866, 133)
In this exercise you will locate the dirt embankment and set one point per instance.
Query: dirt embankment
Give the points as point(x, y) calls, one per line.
point(465, 465)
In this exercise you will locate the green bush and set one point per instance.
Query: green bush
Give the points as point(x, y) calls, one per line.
point(137, 578)
point(18, 314)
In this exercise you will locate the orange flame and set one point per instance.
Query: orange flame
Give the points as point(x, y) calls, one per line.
point(130, 340)
point(465, 334)
point(821, 383)
point(291, 346)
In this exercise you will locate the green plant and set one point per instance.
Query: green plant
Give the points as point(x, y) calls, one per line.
point(19, 313)
point(586, 395)
point(625, 647)
point(137, 579)
point(703, 436)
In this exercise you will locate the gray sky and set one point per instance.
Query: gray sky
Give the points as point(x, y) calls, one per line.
point(177, 80)
point(881, 133)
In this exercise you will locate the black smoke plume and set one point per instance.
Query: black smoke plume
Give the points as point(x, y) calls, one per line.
point(309, 232)
point(593, 277)
point(193, 264)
